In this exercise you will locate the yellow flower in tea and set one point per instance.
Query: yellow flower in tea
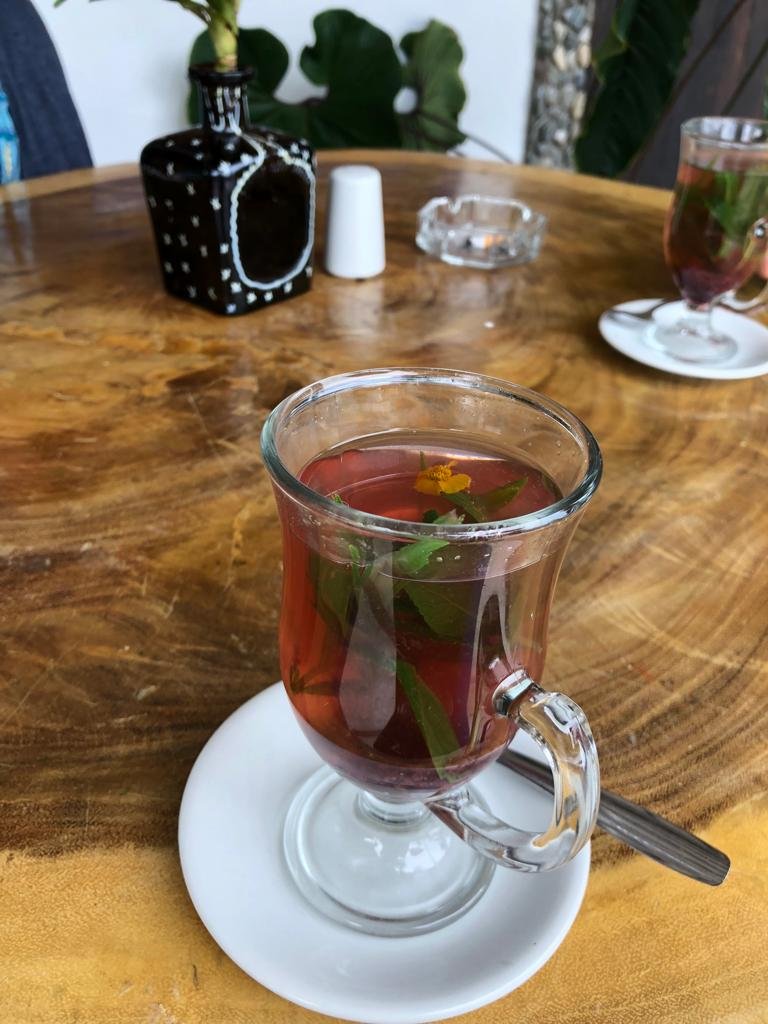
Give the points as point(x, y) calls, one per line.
point(441, 479)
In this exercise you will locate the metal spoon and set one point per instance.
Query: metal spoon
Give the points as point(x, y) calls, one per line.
point(645, 317)
point(639, 828)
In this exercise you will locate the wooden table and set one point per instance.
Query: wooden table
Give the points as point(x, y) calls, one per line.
point(141, 567)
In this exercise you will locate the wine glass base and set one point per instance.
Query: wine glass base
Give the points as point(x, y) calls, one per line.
point(399, 873)
point(691, 345)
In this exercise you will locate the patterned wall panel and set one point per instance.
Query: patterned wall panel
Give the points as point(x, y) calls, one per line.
point(561, 80)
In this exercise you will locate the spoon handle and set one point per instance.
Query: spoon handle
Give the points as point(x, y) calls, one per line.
point(639, 828)
point(645, 317)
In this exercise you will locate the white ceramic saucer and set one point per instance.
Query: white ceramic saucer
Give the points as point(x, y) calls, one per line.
point(230, 829)
point(751, 360)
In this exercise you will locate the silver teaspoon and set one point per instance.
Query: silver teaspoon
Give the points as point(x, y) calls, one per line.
point(639, 828)
point(628, 317)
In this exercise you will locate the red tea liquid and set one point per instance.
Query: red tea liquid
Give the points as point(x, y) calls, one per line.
point(391, 652)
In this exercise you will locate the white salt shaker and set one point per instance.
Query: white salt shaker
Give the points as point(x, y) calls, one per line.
point(354, 237)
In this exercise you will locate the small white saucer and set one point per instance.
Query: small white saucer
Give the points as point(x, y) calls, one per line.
point(751, 360)
point(230, 830)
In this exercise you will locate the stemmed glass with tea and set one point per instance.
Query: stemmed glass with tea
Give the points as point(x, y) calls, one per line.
point(715, 236)
point(425, 516)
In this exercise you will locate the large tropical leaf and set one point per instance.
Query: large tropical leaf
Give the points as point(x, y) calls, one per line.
point(636, 66)
point(353, 59)
point(434, 56)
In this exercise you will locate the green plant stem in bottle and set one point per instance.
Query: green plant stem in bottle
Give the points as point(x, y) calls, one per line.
point(223, 30)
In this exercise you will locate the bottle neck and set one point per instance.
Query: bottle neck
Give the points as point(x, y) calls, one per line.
point(223, 105)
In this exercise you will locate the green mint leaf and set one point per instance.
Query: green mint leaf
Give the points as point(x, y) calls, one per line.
point(414, 557)
point(360, 567)
point(430, 715)
point(550, 485)
point(301, 684)
point(482, 506)
point(450, 518)
point(446, 608)
point(334, 586)
point(730, 180)
point(735, 201)
point(468, 504)
point(501, 496)
point(430, 516)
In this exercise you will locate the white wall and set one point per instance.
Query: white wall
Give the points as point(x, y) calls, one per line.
point(126, 61)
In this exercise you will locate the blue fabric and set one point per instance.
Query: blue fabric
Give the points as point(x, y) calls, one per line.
point(50, 135)
point(9, 144)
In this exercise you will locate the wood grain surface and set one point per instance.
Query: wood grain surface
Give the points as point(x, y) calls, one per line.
point(141, 571)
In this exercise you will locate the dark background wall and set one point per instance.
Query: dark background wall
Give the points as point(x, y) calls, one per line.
point(712, 84)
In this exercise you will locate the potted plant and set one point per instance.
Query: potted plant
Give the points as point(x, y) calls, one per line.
point(232, 206)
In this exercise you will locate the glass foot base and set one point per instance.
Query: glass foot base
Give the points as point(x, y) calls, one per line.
point(690, 344)
point(378, 867)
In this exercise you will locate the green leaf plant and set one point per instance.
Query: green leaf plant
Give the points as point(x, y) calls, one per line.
point(639, 79)
point(434, 57)
point(358, 66)
point(636, 67)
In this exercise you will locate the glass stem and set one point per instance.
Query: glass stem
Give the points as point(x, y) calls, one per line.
point(698, 320)
point(370, 806)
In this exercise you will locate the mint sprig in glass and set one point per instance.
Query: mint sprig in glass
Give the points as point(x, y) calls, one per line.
point(425, 516)
point(715, 236)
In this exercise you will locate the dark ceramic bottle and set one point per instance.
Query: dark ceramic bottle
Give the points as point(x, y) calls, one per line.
point(233, 207)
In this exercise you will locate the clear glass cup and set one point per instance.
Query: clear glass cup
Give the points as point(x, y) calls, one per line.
point(715, 231)
point(413, 650)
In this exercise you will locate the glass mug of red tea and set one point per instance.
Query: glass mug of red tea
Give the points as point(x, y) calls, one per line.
point(425, 515)
point(715, 231)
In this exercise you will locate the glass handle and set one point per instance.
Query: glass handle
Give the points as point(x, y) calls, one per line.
point(561, 729)
point(756, 250)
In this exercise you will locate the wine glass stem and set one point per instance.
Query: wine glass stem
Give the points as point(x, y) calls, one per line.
point(388, 811)
point(698, 319)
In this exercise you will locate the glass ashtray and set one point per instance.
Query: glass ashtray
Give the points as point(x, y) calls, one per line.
point(480, 231)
